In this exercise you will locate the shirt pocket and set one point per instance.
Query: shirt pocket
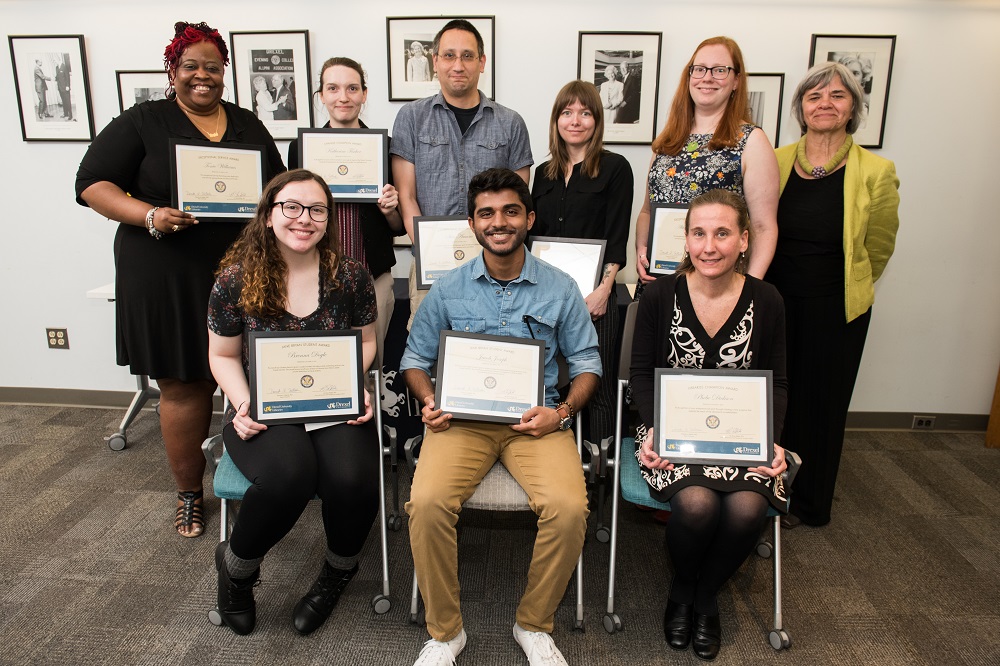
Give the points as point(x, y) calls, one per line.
point(540, 322)
point(434, 154)
point(467, 325)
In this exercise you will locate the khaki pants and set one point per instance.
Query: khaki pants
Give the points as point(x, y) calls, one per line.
point(416, 295)
point(452, 463)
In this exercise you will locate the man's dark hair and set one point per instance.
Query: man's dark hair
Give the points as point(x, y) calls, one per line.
point(495, 180)
point(458, 24)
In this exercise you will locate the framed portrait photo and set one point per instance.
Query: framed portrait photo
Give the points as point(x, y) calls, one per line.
point(272, 77)
point(869, 59)
point(136, 86)
point(53, 88)
point(625, 67)
point(765, 91)
point(409, 45)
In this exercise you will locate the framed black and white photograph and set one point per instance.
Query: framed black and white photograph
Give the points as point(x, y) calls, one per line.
point(409, 52)
point(53, 89)
point(272, 78)
point(137, 86)
point(869, 59)
point(625, 67)
point(765, 91)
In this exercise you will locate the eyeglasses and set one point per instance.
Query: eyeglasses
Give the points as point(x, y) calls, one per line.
point(293, 209)
point(450, 57)
point(719, 73)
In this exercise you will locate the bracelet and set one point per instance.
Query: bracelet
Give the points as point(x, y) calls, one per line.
point(153, 231)
point(568, 406)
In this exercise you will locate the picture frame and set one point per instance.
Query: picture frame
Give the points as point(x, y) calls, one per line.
point(415, 80)
point(354, 163)
point(766, 92)
point(869, 57)
point(53, 87)
point(216, 180)
point(441, 243)
point(140, 85)
point(582, 258)
point(665, 244)
point(630, 103)
point(272, 78)
point(306, 376)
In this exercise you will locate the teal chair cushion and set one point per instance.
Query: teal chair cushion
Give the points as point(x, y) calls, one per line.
point(229, 482)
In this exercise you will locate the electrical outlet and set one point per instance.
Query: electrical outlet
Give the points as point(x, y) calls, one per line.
point(58, 338)
point(923, 422)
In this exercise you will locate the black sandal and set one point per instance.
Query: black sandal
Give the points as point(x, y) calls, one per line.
point(189, 515)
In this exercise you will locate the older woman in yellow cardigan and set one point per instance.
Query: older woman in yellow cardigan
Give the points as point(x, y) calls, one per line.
point(837, 220)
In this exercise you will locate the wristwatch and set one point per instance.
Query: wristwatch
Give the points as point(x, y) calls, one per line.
point(566, 422)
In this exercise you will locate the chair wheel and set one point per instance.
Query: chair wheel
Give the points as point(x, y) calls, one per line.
point(117, 441)
point(765, 549)
point(603, 534)
point(381, 604)
point(613, 623)
point(394, 522)
point(578, 626)
point(214, 617)
point(779, 639)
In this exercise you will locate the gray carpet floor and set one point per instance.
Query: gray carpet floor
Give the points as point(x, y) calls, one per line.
point(91, 571)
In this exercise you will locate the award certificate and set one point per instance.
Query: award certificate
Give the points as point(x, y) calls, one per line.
point(489, 377)
point(718, 417)
point(665, 248)
point(305, 376)
point(441, 244)
point(353, 162)
point(216, 180)
point(582, 258)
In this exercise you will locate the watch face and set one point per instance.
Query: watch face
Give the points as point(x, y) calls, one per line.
point(564, 424)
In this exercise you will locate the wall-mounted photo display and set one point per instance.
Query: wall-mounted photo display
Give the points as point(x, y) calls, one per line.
point(869, 59)
point(766, 92)
point(53, 89)
point(272, 78)
point(137, 86)
point(409, 48)
point(625, 67)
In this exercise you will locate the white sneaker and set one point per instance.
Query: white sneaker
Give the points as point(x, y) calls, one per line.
point(439, 653)
point(538, 647)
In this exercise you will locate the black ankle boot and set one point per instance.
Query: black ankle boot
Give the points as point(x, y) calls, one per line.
point(706, 636)
point(236, 604)
point(677, 624)
point(313, 609)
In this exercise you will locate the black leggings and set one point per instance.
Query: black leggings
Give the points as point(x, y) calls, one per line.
point(288, 466)
point(709, 535)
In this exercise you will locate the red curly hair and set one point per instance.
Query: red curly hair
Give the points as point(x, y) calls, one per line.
point(186, 34)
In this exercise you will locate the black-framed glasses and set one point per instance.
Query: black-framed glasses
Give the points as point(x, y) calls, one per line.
point(450, 57)
point(293, 209)
point(719, 73)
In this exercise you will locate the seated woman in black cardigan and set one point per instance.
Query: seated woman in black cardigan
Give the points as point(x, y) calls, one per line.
point(709, 314)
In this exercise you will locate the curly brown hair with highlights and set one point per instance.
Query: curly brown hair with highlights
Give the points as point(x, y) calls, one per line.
point(256, 252)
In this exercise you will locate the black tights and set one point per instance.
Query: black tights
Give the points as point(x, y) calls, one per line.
point(288, 466)
point(709, 535)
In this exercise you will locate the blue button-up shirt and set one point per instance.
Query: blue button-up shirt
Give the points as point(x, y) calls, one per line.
point(427, 135)
point(542, 297)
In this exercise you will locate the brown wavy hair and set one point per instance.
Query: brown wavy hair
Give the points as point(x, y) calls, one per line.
point(675, 135)
point(256, 251)
point(739, 206)
point(586, 94)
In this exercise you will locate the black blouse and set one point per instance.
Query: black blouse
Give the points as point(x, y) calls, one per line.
point(594, 208)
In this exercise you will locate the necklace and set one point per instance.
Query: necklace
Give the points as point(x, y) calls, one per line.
point(218, 119)
point(826, 169)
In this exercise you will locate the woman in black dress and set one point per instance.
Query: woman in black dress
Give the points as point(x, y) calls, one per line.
point(585, 191)
point(164, 259)
point(709, 314)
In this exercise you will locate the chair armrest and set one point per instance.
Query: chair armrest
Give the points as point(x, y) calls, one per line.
point(410, 449)
point(212, 448)
point(794, 462)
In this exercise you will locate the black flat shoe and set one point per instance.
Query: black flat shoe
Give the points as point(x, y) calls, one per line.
point(313, 609)
point(706, 636)
point(677, 624)
point(237, 607)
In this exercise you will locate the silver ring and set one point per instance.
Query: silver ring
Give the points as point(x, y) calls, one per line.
point(176, 228)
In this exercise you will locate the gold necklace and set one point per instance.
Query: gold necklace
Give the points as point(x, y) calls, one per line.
point(218, 119)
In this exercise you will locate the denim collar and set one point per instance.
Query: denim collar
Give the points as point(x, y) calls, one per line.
point(529, 271)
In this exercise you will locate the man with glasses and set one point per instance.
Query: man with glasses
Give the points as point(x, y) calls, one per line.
point(440, 142)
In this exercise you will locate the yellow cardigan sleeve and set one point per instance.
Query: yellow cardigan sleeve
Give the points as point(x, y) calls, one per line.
point(883, 218)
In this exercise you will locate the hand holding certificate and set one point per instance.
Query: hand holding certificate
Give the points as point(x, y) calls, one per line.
point(720, 417)
point(489, 377)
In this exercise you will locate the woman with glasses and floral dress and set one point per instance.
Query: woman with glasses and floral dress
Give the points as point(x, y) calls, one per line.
point(709, 143)
point(286, 273)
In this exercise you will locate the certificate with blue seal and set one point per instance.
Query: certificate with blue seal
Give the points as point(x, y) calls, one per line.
point(354, 163)
point(489, 377)
point(305, 376)
point(715, 417)
point(216, 180)
point(665, 246)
